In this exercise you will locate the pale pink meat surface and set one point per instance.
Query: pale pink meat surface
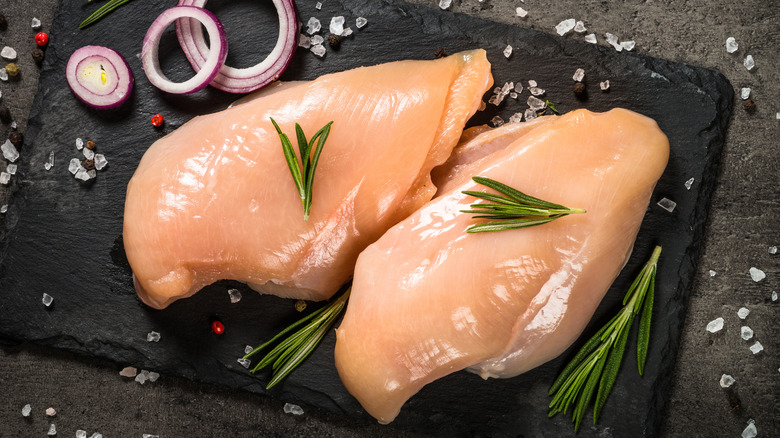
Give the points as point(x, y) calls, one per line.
point(428, 299)
point(215, 200)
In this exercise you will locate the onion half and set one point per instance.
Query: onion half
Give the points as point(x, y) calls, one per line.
point(100, 77)
point(244, 80)
point(210, 64)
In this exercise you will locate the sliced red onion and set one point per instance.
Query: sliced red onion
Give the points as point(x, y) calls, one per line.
point(243, 80)
point(99, 77)
point(211, 63)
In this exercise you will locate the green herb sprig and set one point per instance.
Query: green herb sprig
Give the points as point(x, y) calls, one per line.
point(100, 13)
point(290, 352)
point(303, 171)
point(513, 210)
point(597, 363)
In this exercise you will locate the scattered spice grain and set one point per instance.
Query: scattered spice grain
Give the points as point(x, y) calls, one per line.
point(749, 105)
point(12, 69)
point(16, 138)
point(37, 55)
point(440, 53)
point(579, 89)
point(90, 144)
point(334, 41)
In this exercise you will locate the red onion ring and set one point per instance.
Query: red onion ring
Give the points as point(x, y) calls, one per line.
point(210, 65)
point(99, 76)
point(244, 80)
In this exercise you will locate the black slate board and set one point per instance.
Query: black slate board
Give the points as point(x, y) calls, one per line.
point(64, 238)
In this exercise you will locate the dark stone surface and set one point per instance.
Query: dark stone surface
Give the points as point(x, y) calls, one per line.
point(457, 387)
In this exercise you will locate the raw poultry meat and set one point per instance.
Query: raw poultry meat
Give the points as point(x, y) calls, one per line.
point(215, 200)
point(429, 299)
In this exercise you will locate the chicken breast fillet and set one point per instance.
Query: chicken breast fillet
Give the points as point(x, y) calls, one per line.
point(215, 199)
point(428, 299)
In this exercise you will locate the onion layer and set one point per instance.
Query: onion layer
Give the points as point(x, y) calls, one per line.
point(244, 80)
point(99, 76)
point(210, 64)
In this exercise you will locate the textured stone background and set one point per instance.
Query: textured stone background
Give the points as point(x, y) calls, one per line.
point(743, 223)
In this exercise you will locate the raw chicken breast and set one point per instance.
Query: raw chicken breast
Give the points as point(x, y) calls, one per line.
point(428, 299)
point(215, 200)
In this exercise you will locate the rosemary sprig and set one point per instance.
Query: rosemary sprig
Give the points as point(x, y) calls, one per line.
point(303, 171)
point(290, 352)
point(513, 210)
point(598, 361)
point(551, 106)
point(100, 13)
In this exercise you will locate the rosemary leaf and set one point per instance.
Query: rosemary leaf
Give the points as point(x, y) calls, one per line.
point(643, 339)
point(101, 12)
point(612, 367)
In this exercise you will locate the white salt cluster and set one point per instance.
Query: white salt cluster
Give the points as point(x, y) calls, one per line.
point(746, 332)
point(146, 376)
point(360, 22)
point(757, 274)
point(591, 38)
point(689, 184)
point(152, 336)
point(743, 312)
point(731, 45)
point(726, 381)
point(496, 121)
point(612, 40)
point(744, 93)
point(129, 372)
point(579, 75)
point(47, 299)
point(508, 51)
point(522, 13)
point(9, 151)
point(530, 114)
point(565, 26)
point(445, 4)
point(290, 408)
point(749, 63)
point(499, 93)
point(337, 25)
point(628, 45)
point(715, 325)
point(244, 362)
point(667, 204)
point(96, 435)
point(8, 53)
point(750, 431)
point(235, 295)
point(516, 118)
point(313, 25)
point(756, 348)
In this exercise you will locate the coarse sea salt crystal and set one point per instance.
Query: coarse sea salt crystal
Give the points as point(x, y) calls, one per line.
point(612, 40)
point(744, 93)
point(3, 75)
point(51, 412)
point(579, 75)
point(8, 53)
point(82, 174)
point(715, 325)
point(522, 13)
point(4, 208)
point(519, 88)
point(152, 336)
point(35, 23)
point(628, 45)
point(756, 348)
point(757, 274)
point(604, 85)
point(507, 51)
point(530, 114)
point(317, 39)
point(565, 26)
point(750, 431)
point(746, 332)
point(96, 435)
point(360, 22)
point(244, 362)
point(26, 410)
point(513, 95)
point(142, 377)
point(81, 433)
point(153, 376)
point(14, 125)
point(148, 435)
point(290, 408)
point(100, 161)
point(749, 63)
point(580, 27)
point(50, 162)
point(129, 372)
point(774, 293)
point(777, 116)
point(536, 91)
point(731, 45)
point(772, 250)
point(534, 103)
point(318, 6)
point(667, 204)
point(79, 143)
point(532, 83)
point(235, 295)
point(712, 273)
point(5, 178)
point(689, 184)
point(11, 169)
point(74, 165)
point(52, 430)
point(337, 25)
point(444, 4)
point(47, 299)
point(319, 50)
point(726, 381)
point(248, 349)
point(516, 118)
point(591, 38)
point(88, 153)
point(304, 41)
point(743, 312)
point(9, 151)
point(313, 25)
point(496, 121)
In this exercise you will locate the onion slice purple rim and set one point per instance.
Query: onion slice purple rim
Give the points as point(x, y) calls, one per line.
point(211, 63)
point(100, 77)
point(244, 80)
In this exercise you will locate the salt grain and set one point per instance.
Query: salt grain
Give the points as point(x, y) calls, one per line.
point(743, 312)
point(142, 377)
point(129, 372)
point(52, 430)
point(153, 336)
point(74, 165)
point(612, 40)
point(50, 162)
point(304, 41)
point(82, 174)
point(51, 412)
point(565, 26)
point(3, 75)
point(513, 95)
point(530, 114)
point(337, 25)
point(318, 50)
point(757, 274)
point(14, 125)
point(11, 169)
point(746, 332)
point(81, 433)
point(244, 362)
point(35, 23)
point(248, 349)
point(153, 376)
point(100, 161)
point(580, 27)
point(627, 45)
point(8, 53)
point(579, 75)
point(96, 435)
point(508, 51)
point(689, 184)
point(9, 151)
point(519, 88)
point(715, 325)
point(726, 381)
point(47, 299)
point(89, 154)
point(535, 103)
point(235, 295)
point(79, 143)
point(522, 13)
point(313, 26)
point(516, 118)
point(496, 121)
point(712, 273)
point(317, 39)
point(148, 435)
point(772, 250)
point(750, 431)
point(744, 93)
point(756, 348)
point(444, 4)
point(360, 22)
point(26, 410)
point(604, 85)
point(3, 208)
point(532, 83)
point(536, 91)
point(749, 63)
point(5, 178)
point(731, 45)
point(774, 296)
point(318, 6)
point(591, 38)
point(290, 408)
point(667, 204)
point(347, 32)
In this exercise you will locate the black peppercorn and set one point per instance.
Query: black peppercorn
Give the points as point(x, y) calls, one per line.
point(440, 53)
point(334, 41)
point(749, 105)
point(37, 55)
point(5, 114)
point(16, 138)
point(88, 164)
point(579, 89)
point(90, 144)
point(3, 22)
